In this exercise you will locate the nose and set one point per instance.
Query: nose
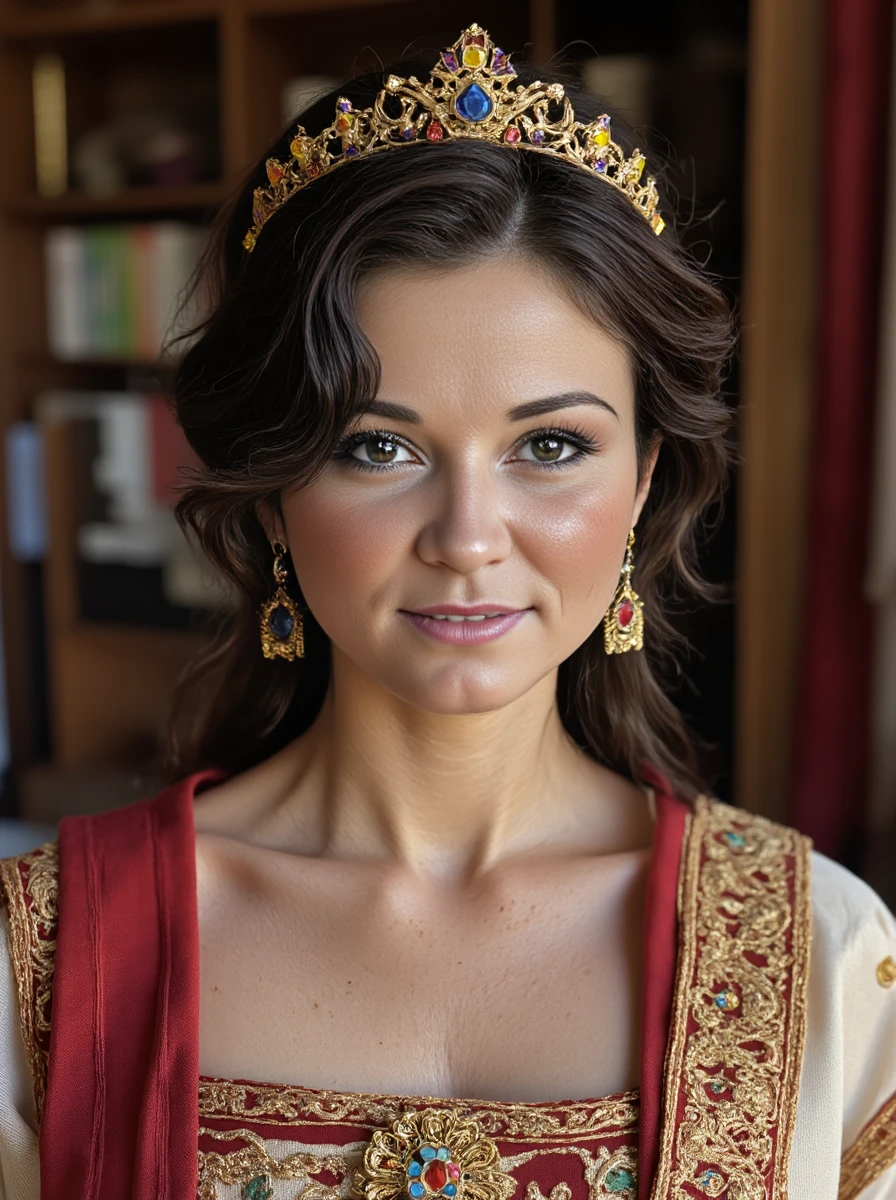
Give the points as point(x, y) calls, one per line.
point(463, 526)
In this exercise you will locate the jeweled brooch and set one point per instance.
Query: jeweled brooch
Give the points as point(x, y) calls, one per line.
point(432, 1153)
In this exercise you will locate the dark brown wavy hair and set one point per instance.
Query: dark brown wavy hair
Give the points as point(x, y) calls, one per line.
point(279, 366)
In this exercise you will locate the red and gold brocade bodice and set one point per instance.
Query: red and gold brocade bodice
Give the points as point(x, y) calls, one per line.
point(723, 1020)
point(276, 1142)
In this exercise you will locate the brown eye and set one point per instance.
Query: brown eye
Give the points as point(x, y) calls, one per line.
point(547, 449)
point(380, 450)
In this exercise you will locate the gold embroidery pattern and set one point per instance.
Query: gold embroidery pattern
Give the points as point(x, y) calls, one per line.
point(31, 886)
point(733, 1063)
point(872, 1153)
point(280, 1103)
point(253, 1170)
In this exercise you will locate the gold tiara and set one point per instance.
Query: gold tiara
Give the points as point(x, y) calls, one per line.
point(469, 95)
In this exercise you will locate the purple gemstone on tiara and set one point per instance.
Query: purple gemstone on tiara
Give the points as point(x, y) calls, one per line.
point(344, 106)
point(603, 122)
point(449, 60)
point(600, 165)
point(500, 65)
point(350, 151)
point(536, 136)
point(407, 133)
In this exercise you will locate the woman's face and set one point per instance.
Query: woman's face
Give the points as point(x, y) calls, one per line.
point(508, 478)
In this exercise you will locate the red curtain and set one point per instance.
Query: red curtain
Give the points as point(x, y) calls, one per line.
point(833, 700)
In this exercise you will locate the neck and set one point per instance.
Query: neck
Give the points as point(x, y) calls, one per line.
point(447, 795)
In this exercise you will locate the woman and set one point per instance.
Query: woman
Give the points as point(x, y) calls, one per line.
point(461, 901)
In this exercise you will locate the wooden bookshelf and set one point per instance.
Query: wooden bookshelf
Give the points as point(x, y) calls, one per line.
point(107, 687)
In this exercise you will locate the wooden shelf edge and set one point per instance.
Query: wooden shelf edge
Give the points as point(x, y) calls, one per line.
point(131, 200)
point(93, 18)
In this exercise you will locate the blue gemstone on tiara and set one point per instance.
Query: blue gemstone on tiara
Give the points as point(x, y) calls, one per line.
point(414, 1169)
point(408, 132)
point(350, 151)
point(473, 104)
point(416, 1190)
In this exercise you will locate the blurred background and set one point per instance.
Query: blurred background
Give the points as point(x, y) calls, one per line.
point(127, 122)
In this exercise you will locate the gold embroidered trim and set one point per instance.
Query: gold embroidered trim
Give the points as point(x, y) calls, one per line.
point(280, 1103)
point(739, 1011)
point(31, 886)
point(873, 1151)
point(254, 1167)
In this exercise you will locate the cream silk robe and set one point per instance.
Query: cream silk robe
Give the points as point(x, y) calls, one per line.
point(776, 1078)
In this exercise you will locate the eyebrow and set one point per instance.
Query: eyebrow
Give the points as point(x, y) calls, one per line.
point(520, 412)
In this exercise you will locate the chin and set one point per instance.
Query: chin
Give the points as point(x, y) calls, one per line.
point(454, 692)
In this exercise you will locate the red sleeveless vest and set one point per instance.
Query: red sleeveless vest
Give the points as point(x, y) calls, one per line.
point(120, 1115)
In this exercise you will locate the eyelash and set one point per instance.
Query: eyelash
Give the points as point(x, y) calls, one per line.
point(573, 436)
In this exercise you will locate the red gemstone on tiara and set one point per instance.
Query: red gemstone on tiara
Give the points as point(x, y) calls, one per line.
point(512, 135)
point(434, 131)
point(624, 612)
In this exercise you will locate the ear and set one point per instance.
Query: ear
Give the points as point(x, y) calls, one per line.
point(270, 520)
point(644, 485)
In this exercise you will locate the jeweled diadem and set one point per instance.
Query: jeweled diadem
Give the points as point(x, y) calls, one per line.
point(471, 94)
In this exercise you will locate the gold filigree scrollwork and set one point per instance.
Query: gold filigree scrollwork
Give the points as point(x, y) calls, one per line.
point(429, 1153)
point(739, 1018)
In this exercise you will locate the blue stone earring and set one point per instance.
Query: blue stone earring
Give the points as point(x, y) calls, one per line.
point(282, 632)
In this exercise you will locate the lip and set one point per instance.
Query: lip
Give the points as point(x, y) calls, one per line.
point(465, 610)
point(465, 633)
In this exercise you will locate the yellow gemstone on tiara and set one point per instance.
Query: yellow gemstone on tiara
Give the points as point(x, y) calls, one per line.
point(601, 137)
point(474, 56)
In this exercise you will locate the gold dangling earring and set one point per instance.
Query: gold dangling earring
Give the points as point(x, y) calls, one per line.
point(282, 628)
point(624, 619)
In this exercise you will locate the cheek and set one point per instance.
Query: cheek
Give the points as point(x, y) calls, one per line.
point(576, 541)
point(342, 547)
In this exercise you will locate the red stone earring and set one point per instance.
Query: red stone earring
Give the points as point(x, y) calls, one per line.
point(624, 619)
point(282, 630)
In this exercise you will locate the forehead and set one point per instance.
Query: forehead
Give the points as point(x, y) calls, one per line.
point(481, 337)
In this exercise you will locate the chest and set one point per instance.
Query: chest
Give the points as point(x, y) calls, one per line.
point(336, 976)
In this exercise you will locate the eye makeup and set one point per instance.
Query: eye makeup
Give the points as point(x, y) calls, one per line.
point(570, 436)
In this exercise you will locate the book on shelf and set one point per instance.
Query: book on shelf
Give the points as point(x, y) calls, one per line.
point(126, 455)
point(114, 290)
